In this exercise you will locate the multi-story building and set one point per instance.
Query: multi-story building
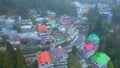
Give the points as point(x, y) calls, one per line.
point(59, 57)
point(56, 58)
point(45, 60)
point(24, 25)
point(99, 60)
point(86, 51)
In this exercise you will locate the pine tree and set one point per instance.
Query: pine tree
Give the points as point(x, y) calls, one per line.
point(20, 59)
point(10, 56)
point(98, 28)
point(2, 55)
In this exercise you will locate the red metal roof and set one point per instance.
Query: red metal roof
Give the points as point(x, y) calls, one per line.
point(89, 46)
point(42, 28)
point(44, 57)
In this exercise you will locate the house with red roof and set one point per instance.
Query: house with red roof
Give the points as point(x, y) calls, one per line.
point(42, 28)
point(45, 60)
point(86, 51)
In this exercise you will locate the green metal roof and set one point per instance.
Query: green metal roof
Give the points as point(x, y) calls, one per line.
point(59, 38)
point(93, 36)
point(53, 24)
point(38, 52)
point(100, 58)
point(44, 20)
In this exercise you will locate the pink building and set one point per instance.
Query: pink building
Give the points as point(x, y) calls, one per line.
point(86, 51)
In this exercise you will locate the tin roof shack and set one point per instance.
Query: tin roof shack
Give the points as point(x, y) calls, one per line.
point(93, 38)
point(86, 51)
point(24, 25)
point(99, 60)
point(45, 60)
point(59, 57)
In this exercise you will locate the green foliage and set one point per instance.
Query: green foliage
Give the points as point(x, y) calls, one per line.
point(73, 59)
point(20, 59)
point(10, 56)
point(33, 65)
point(98, 28)
point(93, 15)
point(116, 14)
point(2, 55)
point(11, 59)
point(110, 64)
point(21, 7)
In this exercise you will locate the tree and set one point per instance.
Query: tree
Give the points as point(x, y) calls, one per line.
point(2, 55)
point(93, 15)
point(20, 59)
point(110, 64)
point(98, 28)
point(73, 59)
point(10, 56)
point(116, 14)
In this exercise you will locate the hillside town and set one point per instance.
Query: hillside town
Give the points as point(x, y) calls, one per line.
point(50, 39)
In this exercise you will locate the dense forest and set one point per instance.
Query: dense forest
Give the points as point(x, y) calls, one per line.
point(12, 58)
point(109, 40)
point(22, 7)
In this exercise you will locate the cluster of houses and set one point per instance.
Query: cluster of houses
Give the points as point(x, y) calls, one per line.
point(103, 9)
point(47, 29)
point(106, 11)
point(55, 58)
point(83, 8)
point(87, 51)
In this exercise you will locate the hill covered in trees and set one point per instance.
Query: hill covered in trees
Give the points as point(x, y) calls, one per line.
point(109, 40)
point(22, 7)
point(12, 58)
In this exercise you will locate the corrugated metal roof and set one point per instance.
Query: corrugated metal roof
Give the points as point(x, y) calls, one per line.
point(44, 57)
point(93, 37)
point(100, 58)
point(89, 46)
point(42, 28)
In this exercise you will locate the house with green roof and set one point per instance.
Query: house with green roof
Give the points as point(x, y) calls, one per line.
point(59, 38)
point(99, 60)
point(53, 25)
point(93, 38)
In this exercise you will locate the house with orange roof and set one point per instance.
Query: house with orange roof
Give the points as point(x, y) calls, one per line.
point(42, 28)
point(45, 60)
